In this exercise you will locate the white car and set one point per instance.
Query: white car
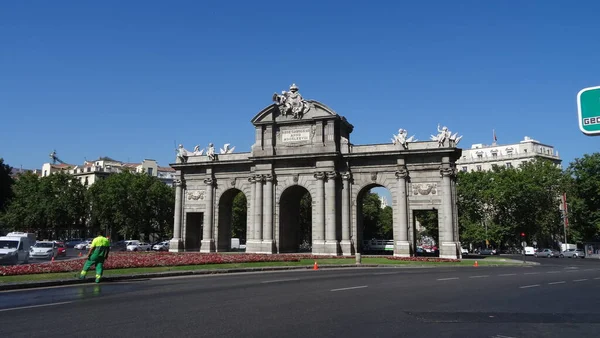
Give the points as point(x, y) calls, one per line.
point(138, 246)
point(464, 251)
point(43, 249)
point(83, 245)
point(162, 246)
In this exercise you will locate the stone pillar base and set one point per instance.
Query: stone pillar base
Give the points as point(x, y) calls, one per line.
point(176, 245)
point(318, 248)
point(207, 245)
point(347, 249)
point(449, 250)
point(402, 249)
point(253, 246)
point(332, 248)
point(267, 246)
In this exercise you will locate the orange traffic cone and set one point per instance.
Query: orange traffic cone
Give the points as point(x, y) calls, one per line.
point(476, 264)
point(316, 266)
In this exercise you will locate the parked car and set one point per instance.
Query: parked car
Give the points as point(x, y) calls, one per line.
point(70, 243)
point(573, 253)
point(119, 246)
point(162, 246)
point(138, 246)
point(43, 249)
point(83, 245)
point(529, 251)
point(61, 249)
point(547, 253)
point(464, 251)
point(488, 251)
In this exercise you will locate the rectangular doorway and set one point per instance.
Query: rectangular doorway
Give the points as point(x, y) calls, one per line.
point(194, 222)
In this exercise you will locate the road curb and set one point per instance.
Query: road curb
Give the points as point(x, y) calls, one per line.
point(63, 282)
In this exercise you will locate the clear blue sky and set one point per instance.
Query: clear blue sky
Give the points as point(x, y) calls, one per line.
point(127, 79)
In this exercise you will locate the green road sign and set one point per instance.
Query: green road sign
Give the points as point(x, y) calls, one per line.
point(588, 108)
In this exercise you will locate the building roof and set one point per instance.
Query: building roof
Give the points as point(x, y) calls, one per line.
point(165, 169)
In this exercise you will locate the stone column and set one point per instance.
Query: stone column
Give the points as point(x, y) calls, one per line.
point(346, 245)
point(258, 208)
point(208, 242)
point(402, 247)
point(176, 244)
point(331, 242)
point(250, 210)
point(319, 215)
point(268, 215)
point(448, 245)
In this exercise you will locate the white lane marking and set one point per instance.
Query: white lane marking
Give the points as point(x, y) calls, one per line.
point(482, 276)
point(532, 273)
point(588, 270)
point(572, 271)
point(580, 280)
point(350, 288)
point(386, 273)
point(553, 283)
point(451, 278)
point(597, 278)
point(507, 274)
point(33, 306)
point(529, 286)
point(553, 272)
point(280, 280)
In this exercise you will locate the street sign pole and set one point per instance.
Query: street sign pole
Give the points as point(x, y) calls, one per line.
point(588, 110)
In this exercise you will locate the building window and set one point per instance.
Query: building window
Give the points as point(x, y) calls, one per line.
point(494, 155)
point(45, 173)
point(464, 169)
point(478, 168)
point(150, 171)
point(508, 165)
point(479, 156)
point(525, 151)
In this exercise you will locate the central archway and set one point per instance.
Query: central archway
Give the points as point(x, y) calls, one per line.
point(375, 227)
point(232, 220)
point(295, 220)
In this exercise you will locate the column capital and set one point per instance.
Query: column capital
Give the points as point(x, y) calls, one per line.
point(251, 179)
point(320, 175)
point(268, 178)
point(258, 178)
point(346, 176)
point(178, 183)
point(402, 172)
point(448, 172)
point(331, 175)
point(209, 181)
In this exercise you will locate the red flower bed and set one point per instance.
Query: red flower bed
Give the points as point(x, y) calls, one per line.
point(123, 260)
point(140, 260)
point(425, 259)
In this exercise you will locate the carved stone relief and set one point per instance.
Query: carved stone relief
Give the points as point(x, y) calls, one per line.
point(195, 195)
point(424, 189)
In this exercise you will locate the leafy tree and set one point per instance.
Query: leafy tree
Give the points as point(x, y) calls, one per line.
point(371, 208)
point(25, 210)
point(305, 221)
point(429, 221)
point(6, 183)
point(239, 220)
point(583, 197)
point(386, 221)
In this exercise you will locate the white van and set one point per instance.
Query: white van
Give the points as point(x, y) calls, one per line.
point(529, 251)
point(14, 250)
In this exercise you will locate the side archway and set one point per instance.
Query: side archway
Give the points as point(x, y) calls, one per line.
point(295, 220)
point(374, 220)
point(232, 220)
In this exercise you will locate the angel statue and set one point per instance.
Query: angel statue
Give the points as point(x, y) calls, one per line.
point(182, 154)
point(210, 153)
point(226, 149)
point(402, 138)
point(198, 151)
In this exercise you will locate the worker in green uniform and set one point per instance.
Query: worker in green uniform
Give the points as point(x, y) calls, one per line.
point(98, 253)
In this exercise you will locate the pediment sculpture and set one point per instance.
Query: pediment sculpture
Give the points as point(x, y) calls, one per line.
point(291, 103)
point(402, 138)
point(444, 134)
point(183, 154)
point(226, 149)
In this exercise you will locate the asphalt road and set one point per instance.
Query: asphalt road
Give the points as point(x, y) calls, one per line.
point(537, 301)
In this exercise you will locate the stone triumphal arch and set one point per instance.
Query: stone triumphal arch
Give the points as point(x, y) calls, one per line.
point(302, 146)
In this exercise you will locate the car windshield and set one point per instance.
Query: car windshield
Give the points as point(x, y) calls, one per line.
point(43, 245)
point(8, 244)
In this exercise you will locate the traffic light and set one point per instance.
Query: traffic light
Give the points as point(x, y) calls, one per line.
point(522, 234)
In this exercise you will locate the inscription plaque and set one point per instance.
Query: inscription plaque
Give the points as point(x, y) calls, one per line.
point(296, 135)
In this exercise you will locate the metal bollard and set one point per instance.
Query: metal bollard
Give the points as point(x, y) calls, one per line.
point(358, 261)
